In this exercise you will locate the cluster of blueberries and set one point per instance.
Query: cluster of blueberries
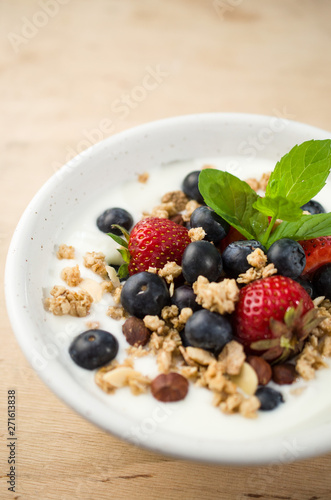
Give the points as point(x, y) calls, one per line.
point(146, 294)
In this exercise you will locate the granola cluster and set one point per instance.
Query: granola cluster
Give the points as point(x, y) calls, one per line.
point(260, 269)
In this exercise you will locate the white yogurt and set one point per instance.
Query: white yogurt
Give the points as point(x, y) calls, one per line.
point(195, 416)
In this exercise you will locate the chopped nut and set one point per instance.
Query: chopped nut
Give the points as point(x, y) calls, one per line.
point(178, 198)
point(164, 360)
point(92, 325)
point(232, 403)
point(247, 379)
point(169, 312)
point(189, 209)
point(107, 286)
point(163, 211)
point(249, 406)
point(96, 262)
point(65, 252)
point(155, 324)
point(217, 297)
point(135, 331)
point(284, 374)
point(262, 368)
point(71, 275)
point(70, 302)
point(189, 371)
point(170, 271)
point(116, 294)
point(257, 259)
point(143, 178)
point(112, 275)
point(156, 342)
point(116, 312)
point(325, 347)
point(309, 361)
point(169, 387)
point(152, 270)
point(123, 376)
point(232, 357)
point(196, 233)
point(199, 356)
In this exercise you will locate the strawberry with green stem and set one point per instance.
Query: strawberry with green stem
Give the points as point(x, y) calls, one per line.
point(274, 317)
point(153, 242)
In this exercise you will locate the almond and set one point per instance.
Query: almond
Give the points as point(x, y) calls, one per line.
point(262, 368)
point(284, 374)
point(135, 331)
point(247, 379)
point(169, 387)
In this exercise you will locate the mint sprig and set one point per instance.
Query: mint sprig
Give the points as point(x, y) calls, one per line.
point(296, 179)
point(232, 199)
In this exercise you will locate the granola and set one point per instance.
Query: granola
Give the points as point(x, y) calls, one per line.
point(64, 301)
point(71, 275)
point(96, 262)
point(178, 198)
point(65, 252)
point(217, 297)
point(196, 234)
point(260, 269)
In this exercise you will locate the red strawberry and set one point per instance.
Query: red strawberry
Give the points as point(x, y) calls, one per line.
point(318, 253)
point(154, 242)
point(272, 316)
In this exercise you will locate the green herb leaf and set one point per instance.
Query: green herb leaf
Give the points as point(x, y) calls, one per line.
point(232, 199)
point(123, 271)
point(301, 173)
point(125, 254)
point(118, 240)
point(278, 207)
point(308, 227)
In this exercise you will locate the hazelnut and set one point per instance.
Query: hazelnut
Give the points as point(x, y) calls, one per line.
point(178, 219)
point(169, 387)
point(262, 368)
point(284, 374)
point(135, 331)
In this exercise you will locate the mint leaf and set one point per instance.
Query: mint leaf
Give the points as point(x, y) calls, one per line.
point(278, 207)
point(301, 173)
point(308, 227)
point(233, 200)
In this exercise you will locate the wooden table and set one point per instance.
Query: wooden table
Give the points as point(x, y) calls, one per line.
point(65, 68)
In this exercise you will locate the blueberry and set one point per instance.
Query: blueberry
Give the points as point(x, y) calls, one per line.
point(201, 258)
point(144, 293)
point(307, 285)
point(235, 256)
point(313, 207)
point(185, 297)
point(288, 257)
point(93, 348)
point(269, 398)
point(208, 330)
point(114, 216)
point(322, 281)
point(214, 226)
point(190, 186)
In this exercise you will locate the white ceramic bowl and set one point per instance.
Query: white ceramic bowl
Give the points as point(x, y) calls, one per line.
point(171, 428)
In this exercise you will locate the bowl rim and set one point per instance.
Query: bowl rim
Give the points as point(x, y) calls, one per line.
point(267, 450)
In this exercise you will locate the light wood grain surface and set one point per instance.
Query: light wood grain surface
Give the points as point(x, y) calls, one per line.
point(64, 69)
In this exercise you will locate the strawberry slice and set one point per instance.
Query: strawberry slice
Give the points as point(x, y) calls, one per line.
point(318, 253)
